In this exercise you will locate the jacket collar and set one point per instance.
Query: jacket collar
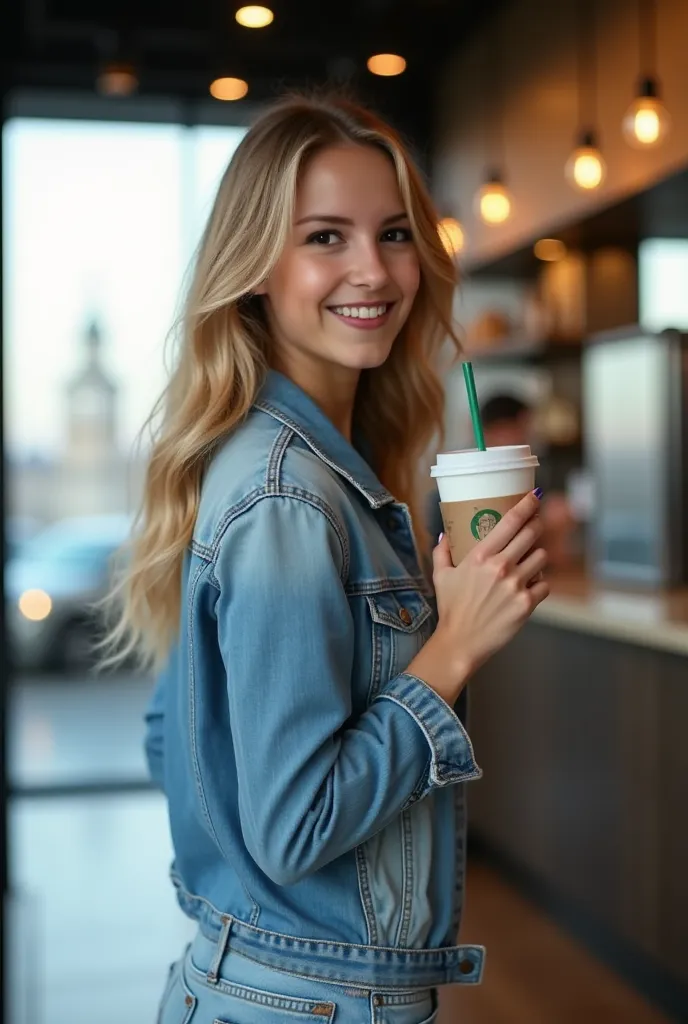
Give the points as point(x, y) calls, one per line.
point(286, 402)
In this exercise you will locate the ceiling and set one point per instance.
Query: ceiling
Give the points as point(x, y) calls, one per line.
point(660, 211)
point(180, 45)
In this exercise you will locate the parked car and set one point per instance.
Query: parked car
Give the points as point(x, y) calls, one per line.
point(52, 583)
point(18, 529)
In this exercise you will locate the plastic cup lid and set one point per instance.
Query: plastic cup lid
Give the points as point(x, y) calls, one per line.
point(494, 460)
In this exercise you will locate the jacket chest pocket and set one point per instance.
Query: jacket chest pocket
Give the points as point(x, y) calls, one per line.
point(402, 621)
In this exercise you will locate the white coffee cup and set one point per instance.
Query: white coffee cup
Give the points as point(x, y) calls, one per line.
point(476, 489)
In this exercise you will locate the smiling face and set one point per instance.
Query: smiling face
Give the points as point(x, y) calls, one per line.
point(347, 278)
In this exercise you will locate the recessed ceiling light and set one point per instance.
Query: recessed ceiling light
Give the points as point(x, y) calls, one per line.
point(228, 88)
point(386, 64)
point(254, 17)
point(117, 80)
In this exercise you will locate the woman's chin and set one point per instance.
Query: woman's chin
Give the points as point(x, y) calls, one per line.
point(365, 357)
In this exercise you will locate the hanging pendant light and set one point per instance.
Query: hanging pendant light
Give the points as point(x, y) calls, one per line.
point(585, 168)
point(493, 202)
point(647, 121)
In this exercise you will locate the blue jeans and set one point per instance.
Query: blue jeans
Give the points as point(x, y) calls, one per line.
point(221, 986)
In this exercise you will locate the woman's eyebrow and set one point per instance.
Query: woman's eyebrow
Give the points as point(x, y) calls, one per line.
point(331, 219)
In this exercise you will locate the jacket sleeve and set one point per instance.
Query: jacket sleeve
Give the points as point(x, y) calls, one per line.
point(314, 780)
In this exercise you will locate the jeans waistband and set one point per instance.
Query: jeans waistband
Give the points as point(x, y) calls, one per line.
point(339, 962)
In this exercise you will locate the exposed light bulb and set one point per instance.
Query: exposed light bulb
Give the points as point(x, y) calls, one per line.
point(585, 168)
point(386, 64)
point(493, 201)
point(228, 88)
point(451, 235)
point(647, 121)
point(254, 17)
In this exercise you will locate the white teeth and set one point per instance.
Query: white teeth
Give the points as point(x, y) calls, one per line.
point(362, 312)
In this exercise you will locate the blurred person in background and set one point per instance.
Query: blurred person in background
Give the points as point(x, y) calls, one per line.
point(302, 725)
point(508, 420)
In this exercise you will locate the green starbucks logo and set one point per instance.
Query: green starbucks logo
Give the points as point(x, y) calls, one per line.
point(484, 521)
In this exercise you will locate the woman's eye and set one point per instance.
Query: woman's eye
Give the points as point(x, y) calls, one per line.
point(324, 237)
point(398, 235)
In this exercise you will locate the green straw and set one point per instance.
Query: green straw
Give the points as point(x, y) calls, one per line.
point(473, 406)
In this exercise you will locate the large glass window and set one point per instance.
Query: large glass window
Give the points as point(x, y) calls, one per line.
point(101, 222)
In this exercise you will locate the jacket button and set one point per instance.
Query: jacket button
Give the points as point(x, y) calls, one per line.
point(405, 616)
point(466, 966)
point(189, 1000)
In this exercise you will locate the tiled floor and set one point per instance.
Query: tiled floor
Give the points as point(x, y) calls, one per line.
point(99, 923)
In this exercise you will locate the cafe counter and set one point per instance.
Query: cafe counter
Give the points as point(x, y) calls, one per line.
point(581, 728)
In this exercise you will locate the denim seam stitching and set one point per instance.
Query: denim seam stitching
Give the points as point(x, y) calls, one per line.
point(255, 912)
point(375, 661)
point(387, 619)
point(260, 997)
point(421, 786)
point(260, 494)
point(383, 585)
point(192, 701)
point(407, 874)
point(365, 894)
point(200, 549)
point(460, 848)
point(377, 498)
point(445, 708)
point(307, 497)
point(431, 735)
point(331, 944)
point(275, 459)
point(280, 970)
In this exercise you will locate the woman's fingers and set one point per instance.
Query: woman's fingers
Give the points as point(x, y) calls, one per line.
point(509, 526)
point(538, 592)
point(524, 541)
point(531, 566)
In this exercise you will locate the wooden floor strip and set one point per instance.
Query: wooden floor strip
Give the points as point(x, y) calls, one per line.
point(534, 973)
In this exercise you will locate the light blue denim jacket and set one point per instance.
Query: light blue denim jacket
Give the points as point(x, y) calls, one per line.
point(315, 787)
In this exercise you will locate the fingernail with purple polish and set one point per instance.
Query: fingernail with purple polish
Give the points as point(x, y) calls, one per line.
point(439, 539)
point(538, 492)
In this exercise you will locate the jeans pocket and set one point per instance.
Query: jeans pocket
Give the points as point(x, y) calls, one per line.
point(178, 1002)
point(253, 1006)
point(408, 1008)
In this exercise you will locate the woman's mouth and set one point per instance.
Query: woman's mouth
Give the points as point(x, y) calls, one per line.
point(364, 317)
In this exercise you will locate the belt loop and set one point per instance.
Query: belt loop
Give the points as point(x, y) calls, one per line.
point(222, 944)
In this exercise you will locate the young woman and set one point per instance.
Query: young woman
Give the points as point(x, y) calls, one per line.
point(303, 725)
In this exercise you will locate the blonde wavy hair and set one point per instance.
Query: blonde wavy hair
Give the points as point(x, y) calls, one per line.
point(225, 351)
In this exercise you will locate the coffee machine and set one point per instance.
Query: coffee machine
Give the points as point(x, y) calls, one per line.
point(635, 430)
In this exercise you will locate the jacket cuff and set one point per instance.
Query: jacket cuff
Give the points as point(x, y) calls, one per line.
point(452, 758)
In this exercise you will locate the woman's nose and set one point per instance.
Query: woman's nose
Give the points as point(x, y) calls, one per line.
point(368, 267)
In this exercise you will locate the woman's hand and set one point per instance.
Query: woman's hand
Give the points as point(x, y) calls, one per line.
point(483, 601)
